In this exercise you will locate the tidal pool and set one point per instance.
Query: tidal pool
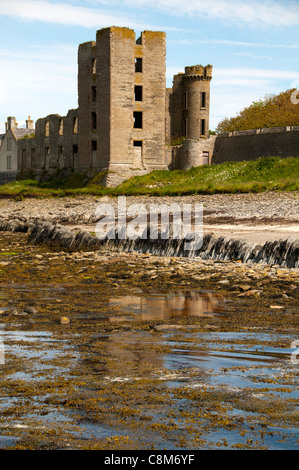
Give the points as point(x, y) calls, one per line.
point(114, 379)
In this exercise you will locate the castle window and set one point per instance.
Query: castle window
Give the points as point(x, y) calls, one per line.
point(185, 100)
point(203, 99)
point(47, 128)
point(60, 149)
point(75, 125)
point(9, 162)
point(93, 120)
point(47, 151)
point(138, 65)
point(138, 93)
point(203, 127)
point(61, 127)
point(93, 93)
point(75, 148)
point(185, 130)
point(94, 65)
point(94, 145)
point(137, 119)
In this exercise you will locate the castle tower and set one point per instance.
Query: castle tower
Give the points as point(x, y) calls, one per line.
point(121, 88)
point(190, 103)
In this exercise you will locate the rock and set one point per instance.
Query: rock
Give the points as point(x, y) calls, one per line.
point(244, 287)
point(225, 282)
point(167, 327)
point(252, 292)
point(276, 306)
point(64, 320)
point(30, 310)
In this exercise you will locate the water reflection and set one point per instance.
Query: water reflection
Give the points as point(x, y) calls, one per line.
point(166, 306)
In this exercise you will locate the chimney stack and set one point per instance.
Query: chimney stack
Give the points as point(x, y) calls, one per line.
point(29, 123)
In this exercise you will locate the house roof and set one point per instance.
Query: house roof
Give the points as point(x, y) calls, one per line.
point(20, 132)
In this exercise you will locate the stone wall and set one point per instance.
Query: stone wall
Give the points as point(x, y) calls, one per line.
point(249, 145)
point(54, 147)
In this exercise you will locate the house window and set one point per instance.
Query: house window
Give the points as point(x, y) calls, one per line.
point(138, 93)
point(93, 120)
point(75, 125)
point(8, 140)
point(137, 119)
point(9, 162)
point(138, 65)
point(47, 129)
point(203, 99)
point(93, 93)
point(203, 127)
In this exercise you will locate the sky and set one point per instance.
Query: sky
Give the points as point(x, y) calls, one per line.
point(253, 47)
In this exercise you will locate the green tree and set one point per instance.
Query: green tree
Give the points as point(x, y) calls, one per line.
point(272, 111)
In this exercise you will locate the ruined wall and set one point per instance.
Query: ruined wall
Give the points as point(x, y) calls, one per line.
point(249, 145)
point(119, 77)
point(54, 147)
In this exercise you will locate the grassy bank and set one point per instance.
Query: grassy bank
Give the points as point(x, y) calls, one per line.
point(264, 174)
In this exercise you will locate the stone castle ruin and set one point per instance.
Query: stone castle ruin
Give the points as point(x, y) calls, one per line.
point(127, 122)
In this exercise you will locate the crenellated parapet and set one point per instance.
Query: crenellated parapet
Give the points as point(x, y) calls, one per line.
point(198, 72)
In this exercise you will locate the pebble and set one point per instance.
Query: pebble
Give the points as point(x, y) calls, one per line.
point(31, 310)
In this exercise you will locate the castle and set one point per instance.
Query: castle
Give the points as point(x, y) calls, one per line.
point(127, 122)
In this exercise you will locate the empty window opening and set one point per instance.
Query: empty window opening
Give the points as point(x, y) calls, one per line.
point(185, 129)
point(47, 151)
point(139, 41)
point(138, 93)
point(94, 65)
point(203, 127)
point(60, 149)
point(75, 125)
point(93, 120)
point(9, 162)
point(186, 100)
point(75, 148)
point(94, 145)
point(61, 127)
point(137, 120)
point(33, 157)
point(137, 143)
point(93, 93)
point(138, 65)
point(203, 99)
point(47, 128)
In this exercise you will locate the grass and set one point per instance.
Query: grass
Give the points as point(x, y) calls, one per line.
point(263, 174)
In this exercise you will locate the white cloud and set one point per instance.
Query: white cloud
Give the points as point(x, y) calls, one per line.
point(255, 13)
point(64, 13)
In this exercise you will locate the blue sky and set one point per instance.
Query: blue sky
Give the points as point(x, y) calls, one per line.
point(252, 45)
